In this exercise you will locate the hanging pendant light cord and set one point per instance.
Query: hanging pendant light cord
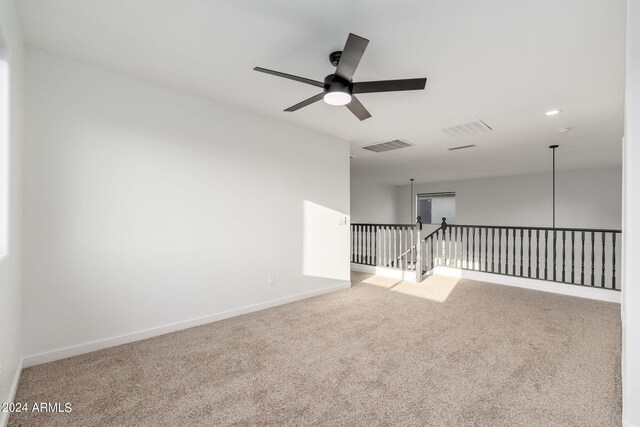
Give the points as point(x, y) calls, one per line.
point(411, 212)
point(553, 147)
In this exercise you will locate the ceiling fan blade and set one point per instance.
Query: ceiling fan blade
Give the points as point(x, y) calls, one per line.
point(358, 109)
point(290, 77)
point(299, 105)
point(351, 55)
point(389, 85)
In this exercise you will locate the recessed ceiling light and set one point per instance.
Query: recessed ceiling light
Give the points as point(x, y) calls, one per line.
point(552, 112)
point(565, 129)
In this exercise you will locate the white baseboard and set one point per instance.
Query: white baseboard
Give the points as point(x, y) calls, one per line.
point(62, 353)
point(4, 416)
point(628, 424)
point(535, 284)
point(393, 273)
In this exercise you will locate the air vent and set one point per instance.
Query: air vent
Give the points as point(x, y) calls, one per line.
point(380, 147)
point(467, 128)
point(462, 147)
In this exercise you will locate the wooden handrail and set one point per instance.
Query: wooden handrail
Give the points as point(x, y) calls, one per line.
point(515, 227)
point(382, 225)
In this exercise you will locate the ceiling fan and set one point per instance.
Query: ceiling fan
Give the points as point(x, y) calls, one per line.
point(339, 89)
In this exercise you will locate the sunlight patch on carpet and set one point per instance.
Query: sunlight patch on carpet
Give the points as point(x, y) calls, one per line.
point(385, 282)
point(433, 288)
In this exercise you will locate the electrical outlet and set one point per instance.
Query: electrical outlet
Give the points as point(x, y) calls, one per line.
point(271, 280)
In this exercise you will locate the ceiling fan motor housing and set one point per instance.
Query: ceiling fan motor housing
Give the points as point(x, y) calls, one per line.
point(333, 83)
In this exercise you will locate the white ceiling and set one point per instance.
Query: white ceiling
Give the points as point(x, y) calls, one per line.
point(503, 61)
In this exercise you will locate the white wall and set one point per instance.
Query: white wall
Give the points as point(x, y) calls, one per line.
point(588, 198)
point(145, 207)
point(631, 236)
point(374, 203)
point(10, 281)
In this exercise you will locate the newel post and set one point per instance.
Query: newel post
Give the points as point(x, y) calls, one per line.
point(419, 265)
point(443, 227)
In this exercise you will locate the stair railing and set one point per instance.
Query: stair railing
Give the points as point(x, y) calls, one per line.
point(430, 247)
point(579, 256)
point(384, 245)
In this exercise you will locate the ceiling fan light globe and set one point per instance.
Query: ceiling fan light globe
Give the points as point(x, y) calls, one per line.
point(337, 98)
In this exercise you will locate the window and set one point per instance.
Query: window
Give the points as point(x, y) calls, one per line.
point(433, 207)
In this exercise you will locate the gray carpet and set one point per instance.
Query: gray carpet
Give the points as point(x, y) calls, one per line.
point(488, 355)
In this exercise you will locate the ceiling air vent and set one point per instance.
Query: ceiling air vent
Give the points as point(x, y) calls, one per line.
point(380, 147)
point(461, 147)
point(467, 128)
